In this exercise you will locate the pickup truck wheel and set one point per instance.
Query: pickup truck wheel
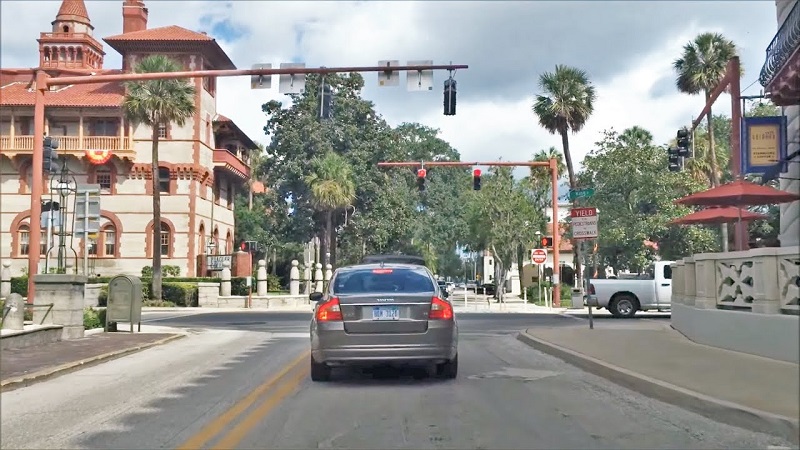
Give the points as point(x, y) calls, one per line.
point(623, 306)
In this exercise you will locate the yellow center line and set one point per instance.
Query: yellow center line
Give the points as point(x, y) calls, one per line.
point(217, 425)
point(235, 436)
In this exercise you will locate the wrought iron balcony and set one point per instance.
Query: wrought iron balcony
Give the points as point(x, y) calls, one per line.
point(783, 45)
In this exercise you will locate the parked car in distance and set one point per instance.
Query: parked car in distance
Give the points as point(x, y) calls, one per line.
point(625, 296)
point(383, 314)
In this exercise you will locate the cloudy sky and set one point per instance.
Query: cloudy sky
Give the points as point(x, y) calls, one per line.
point(626, 47)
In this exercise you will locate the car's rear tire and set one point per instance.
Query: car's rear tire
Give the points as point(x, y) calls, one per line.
point(320, 371)
point(448, 370)
point(623, 306)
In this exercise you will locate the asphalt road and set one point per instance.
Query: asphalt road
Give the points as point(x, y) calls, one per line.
point(240, 380)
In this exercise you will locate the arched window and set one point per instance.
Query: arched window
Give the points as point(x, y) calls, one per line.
point(164, 180)
point(228, 243)
point(201, 243)
point(65, 29)
point(216, 241)
point(108, 237)
point(24, 238)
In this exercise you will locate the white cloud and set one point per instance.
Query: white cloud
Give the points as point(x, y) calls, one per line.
point(494, 118)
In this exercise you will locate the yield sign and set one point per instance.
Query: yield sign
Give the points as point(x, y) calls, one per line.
point(539, 255)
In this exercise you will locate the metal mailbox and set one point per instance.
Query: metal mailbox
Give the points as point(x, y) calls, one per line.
point(124, 301)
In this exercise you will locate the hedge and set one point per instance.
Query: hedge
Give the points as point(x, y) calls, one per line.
point(182, 293)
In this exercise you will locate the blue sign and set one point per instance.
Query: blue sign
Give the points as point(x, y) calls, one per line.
point(763, 143)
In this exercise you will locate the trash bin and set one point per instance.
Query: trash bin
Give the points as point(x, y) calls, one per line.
point(577, 299)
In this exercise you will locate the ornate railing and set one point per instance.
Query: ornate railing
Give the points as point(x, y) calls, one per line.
point(70, 143)
point(764, 281)
point(785, 42)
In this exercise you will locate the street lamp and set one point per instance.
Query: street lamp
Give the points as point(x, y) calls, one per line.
point(64, 186)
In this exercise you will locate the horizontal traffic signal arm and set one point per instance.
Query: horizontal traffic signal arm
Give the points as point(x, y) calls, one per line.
point(467, 164)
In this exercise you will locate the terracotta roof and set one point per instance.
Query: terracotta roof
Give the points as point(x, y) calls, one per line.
point(235, 130)
point(73, 10)
point(177, 38)
point(168, 33)
point(220, 118)
point(566, 245)
point(18, 93)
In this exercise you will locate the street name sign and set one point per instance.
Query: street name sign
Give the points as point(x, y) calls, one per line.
point(539, 255)
point(581, 193)
point(584, 223)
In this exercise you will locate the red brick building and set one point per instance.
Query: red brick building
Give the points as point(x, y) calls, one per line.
point(202, 164)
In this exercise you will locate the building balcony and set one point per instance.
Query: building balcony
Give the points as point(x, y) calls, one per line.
point(227, 161)
point(121, 146)
point(780, 74)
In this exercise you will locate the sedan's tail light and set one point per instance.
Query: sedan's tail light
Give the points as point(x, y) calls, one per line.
point(440, 310)
point(329, 311)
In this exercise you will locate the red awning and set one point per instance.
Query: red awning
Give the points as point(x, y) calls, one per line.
point(718, 216)
point(739, 193)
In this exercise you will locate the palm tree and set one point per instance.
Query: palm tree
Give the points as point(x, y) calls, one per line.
point(332, 188)
point(157, 103)
point(700, 69)
point(565, 104)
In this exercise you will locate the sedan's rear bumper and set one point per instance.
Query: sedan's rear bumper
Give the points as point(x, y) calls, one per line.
point(331, 344)
point(384, 354)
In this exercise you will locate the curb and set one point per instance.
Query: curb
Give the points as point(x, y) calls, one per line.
point(42, 375)
point(715, 409)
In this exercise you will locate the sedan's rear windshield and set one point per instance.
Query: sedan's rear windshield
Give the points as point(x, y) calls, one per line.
point(382, 280)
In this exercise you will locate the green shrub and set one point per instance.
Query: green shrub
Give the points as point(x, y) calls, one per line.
point(181, 294)
point(91, 319)
point(274, 283)
point(158, 304)
point(19, 285)
point(239, 286)
point(166, 271)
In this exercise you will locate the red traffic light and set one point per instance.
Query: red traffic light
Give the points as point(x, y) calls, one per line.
point(421, 173)
point(476, 173)
point(547, 241)
point(243, 246)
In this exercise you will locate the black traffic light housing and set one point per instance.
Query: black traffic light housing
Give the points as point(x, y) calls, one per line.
point(450, 97)
point(326, 102)
point(547, 241)
point(684, 139)
point(421, 174)
point(49, 155)
point(675, 163)
point(248, 246)
point(476, 180)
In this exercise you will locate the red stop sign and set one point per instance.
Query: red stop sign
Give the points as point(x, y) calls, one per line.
point(539, 255)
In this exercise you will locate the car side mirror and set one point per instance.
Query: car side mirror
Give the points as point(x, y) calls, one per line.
point(315, 296)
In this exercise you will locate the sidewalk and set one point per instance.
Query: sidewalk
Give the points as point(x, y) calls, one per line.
point(744, 390)
point(25, 366)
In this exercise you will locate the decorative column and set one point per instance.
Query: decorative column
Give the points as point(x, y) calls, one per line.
point(294, 278)
point(261, 278)
point(15, 320)
point(5, 279)
point(318, 278)
point(80, 131)
point(225, 286)
point(307, 279)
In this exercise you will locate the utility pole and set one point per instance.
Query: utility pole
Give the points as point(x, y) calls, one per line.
point(551, 164)
point(43, 82)
point(731, 81)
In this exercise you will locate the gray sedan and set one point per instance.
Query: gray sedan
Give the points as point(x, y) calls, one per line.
point(383, 314)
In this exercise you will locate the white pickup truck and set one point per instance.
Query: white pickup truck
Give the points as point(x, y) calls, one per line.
point(651, 290)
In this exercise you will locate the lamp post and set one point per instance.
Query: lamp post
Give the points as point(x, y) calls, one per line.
point(64, 187)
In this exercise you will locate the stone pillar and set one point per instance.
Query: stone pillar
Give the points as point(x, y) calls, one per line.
point(307, 279)
point(15, 320)
point(328, 272)
point(318, 282)
point(5, 279)
point(225, 285)
point(65, 293)
point(513, 278)
point(261, 278)
point(294, 278)
point(790, 182)
point(705, 281)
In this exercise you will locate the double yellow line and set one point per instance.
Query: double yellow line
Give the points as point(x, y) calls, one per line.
point(286, 381)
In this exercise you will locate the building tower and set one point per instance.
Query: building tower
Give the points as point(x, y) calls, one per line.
point(71, 45)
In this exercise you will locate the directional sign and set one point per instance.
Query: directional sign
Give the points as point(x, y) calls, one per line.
point(421, 80)
point(261, 81)
point(581, 193)
point(584, 223)
point(390, 77)
point(292, 84)
point(539, 255)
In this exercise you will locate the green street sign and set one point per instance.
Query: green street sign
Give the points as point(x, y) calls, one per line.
point(581, 193)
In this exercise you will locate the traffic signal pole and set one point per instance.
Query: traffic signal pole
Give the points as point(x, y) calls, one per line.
point(732, 82)
point(551, 164)
point(43, 83)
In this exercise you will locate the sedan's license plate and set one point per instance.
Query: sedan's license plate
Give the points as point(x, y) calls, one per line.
point(385, 313)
